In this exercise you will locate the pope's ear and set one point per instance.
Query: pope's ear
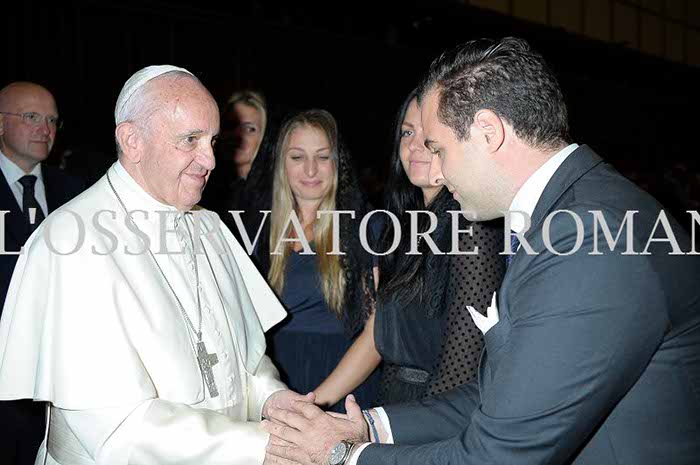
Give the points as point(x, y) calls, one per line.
point(2, 125)
point(490, 127)
point(129, 137)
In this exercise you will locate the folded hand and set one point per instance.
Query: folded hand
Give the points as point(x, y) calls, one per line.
point(305, 434)
point(284, 400)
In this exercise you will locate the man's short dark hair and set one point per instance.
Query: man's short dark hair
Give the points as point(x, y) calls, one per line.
point(506, 77)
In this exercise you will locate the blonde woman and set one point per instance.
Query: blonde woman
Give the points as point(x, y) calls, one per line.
point(244, 121)
point(328, 296)
point(243, 176)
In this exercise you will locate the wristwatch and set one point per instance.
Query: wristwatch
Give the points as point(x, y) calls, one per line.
point(340, 453)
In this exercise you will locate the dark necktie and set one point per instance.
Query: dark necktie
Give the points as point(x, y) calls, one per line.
point(514, 244)
point(29, 201)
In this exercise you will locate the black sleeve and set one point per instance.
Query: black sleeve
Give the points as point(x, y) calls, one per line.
point(472, 281)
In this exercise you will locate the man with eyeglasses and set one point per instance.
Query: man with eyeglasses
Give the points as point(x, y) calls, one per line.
point(29, 191)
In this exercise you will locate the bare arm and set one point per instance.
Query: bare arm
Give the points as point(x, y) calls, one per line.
point(356, 365)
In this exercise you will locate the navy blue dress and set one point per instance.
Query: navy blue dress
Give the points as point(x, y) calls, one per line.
point(307, 346)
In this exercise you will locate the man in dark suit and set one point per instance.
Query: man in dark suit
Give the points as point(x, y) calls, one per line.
point(593, 352)
point(29, 191)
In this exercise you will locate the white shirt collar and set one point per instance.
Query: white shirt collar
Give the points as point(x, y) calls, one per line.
point(14, 173)
point(529, 193)
point(146, 201)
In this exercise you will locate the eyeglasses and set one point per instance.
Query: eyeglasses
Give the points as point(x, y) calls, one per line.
point(37, 119)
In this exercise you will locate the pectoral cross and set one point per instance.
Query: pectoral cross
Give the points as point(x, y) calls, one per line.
point(206, 361)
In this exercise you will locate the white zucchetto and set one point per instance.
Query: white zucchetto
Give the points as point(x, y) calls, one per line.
point(136, 81)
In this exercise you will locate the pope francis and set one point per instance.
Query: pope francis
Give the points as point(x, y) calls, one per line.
point(133, 315)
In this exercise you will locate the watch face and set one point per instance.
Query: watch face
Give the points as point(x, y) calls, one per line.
point(338, 453)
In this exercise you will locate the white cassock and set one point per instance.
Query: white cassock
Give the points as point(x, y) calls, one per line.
point(102, 338)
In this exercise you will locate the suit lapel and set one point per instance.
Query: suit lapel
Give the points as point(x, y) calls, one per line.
point(580, 162)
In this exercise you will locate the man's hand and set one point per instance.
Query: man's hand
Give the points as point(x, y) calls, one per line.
point(285, 400)
point(306, 434)
point(274, 459)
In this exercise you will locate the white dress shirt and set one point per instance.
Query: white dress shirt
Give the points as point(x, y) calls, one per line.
point(14, 173)
point(525, 201)
point(529, 194)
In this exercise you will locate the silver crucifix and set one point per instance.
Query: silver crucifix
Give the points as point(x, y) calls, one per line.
point(206, 361)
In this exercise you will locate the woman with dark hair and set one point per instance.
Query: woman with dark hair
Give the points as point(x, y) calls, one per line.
point(328, 296)
point(242, 179)
point(421, 328)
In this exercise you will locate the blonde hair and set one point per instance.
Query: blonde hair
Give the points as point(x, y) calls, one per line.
point(250, 98)
point(332, 274)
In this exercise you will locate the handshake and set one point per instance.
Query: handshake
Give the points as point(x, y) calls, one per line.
point(302, 433)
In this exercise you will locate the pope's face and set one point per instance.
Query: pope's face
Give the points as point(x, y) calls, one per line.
point(178, 156)
point(465, 166)
point(308, 163)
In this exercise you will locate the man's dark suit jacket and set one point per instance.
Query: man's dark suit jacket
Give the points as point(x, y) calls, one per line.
point(595, 359)
point(60, 188)
point(22, 422)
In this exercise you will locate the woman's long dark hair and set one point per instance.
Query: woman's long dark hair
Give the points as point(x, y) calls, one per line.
point(402, 276)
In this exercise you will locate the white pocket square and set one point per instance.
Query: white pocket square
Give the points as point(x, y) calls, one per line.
point(484, 323)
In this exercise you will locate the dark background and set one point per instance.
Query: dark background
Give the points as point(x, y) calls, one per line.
point(356, 60)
